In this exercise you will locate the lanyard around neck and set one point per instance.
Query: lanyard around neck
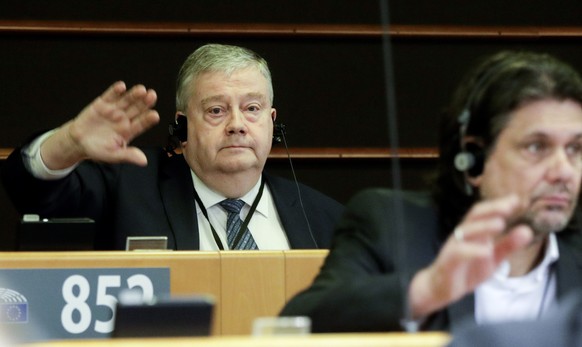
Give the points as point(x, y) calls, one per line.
point(245, 224)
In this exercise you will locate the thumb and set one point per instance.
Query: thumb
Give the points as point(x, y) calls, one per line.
point(132, 155)
point(517, 238)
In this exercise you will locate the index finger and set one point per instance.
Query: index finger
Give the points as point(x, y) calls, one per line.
point(507, 207)
point(489, 218)
point(137, 96)
point(114, 92)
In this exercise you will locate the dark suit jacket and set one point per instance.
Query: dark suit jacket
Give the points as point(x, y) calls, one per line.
point(157, 200)
point(361, 285)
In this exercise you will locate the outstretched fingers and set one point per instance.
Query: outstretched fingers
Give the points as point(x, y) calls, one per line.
point(114, 93)
point(515, 239)
point(136, 101)
point(132, 155)
point(144, 122)
point(489, 219)
point(119, 104)
point(104, 129)
point(132, 111)
point(478, 245)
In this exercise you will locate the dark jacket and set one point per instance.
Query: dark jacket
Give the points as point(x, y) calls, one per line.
point(156, 200)
point(361, 284)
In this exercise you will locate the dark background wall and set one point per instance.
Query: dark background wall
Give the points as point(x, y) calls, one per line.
point(329, 90)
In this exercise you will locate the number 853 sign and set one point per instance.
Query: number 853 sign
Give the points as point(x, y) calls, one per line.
point(41, 304)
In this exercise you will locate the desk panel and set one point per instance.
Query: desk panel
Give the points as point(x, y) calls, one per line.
point(245, 284)
point(301, 267)
point(253, 285)
point(316, 340)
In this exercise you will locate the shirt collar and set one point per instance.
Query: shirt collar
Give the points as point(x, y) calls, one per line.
point(551, 255)
point(210, 198)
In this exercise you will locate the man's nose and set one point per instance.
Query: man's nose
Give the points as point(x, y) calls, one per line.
point(563, 166)
point(236, 122)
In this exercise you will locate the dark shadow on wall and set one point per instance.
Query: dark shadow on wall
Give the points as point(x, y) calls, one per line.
point(9, 220)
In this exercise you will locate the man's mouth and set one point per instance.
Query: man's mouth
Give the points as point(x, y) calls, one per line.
point(555, 201)
point(235, 147)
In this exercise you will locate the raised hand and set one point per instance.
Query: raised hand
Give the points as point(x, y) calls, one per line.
point(103, 130)
point(471, 255)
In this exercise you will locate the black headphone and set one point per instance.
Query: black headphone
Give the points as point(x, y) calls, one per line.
point(471, 159)
point(178, 129)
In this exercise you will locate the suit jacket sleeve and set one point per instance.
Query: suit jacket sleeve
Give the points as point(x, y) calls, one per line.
point(82, 193)
point(361, 284)
point(123, 199)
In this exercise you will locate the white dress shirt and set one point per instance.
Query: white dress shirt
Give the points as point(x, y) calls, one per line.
point(265, 225)
point(35, 165)
point(503, 298)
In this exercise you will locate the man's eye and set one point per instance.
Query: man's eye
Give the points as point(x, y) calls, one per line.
point(575, 149)
point(253, 108)
point(536, 147)
point(215, 110)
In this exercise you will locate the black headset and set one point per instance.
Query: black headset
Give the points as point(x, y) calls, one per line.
point(178, 129)
point(471, 159)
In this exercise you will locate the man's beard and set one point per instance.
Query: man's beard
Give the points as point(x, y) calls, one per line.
point(543, 225)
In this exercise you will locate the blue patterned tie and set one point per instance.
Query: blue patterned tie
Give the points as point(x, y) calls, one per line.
point(233, 224)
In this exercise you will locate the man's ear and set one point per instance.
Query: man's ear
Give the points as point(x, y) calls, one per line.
point(475, 174)
point(471, 158)
point(179, 128)
point(475, 181)
point(273, 114)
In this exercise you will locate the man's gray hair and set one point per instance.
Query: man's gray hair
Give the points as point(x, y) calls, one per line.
point(217, 58)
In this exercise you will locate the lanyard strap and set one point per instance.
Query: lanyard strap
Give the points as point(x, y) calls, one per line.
point(245, 224)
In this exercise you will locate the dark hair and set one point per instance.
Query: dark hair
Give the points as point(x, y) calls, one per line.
point(500, 84)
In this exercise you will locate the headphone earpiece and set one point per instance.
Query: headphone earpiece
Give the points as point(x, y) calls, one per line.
point(464, 161)
point(470, 160)
point(179, 128)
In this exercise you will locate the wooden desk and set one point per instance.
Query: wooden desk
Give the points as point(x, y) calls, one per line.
point(246, 285)
point(316, 340)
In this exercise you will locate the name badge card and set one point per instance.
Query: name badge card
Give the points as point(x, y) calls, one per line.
point(46, 304)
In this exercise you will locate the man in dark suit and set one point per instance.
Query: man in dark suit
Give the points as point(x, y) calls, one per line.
point(224, 130)
point(494, 242)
